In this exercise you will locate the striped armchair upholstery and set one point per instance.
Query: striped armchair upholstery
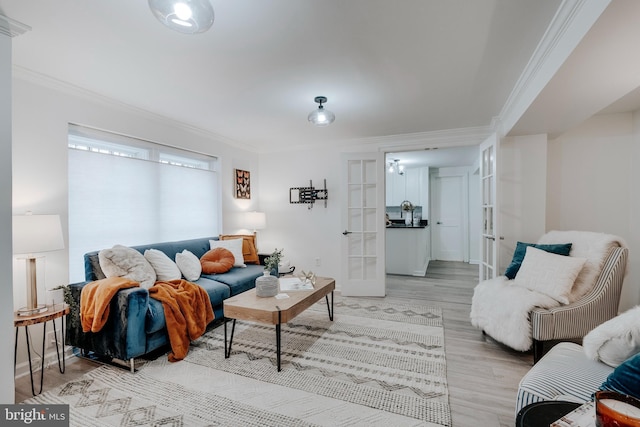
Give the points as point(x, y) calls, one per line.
point(564, 373)
point(575, 320)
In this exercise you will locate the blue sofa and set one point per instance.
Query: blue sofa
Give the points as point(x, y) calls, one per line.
point(136, 324)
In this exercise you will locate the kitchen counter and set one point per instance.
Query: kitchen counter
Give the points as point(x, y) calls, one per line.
point(401, 224)
point(407, 252)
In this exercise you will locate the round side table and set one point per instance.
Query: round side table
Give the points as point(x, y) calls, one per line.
point(544, 413)
point(53, 312)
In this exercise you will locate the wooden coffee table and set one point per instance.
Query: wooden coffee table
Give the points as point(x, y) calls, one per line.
point(274, 311)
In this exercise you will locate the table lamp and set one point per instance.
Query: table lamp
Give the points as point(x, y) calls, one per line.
point(35, 234)
point(255, 221)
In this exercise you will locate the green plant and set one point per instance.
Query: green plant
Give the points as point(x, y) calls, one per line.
point(271, 262)
point(74, 308)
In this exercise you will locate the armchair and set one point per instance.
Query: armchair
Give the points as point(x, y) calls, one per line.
point(523, 318)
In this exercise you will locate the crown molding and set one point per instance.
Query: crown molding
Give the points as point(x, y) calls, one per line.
point(12, 28)
point(571, 22)
point(49, 82)
point(421, 140)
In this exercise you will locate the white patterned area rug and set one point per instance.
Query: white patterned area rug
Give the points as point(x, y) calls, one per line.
point(376, 364)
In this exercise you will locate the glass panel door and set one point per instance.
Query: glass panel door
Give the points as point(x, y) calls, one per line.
point(363, 224)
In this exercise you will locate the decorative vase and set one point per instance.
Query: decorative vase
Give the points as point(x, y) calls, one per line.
point(266, 285)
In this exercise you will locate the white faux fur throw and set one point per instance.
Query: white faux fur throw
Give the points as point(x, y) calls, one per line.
point(502, 311)
point(615, 340)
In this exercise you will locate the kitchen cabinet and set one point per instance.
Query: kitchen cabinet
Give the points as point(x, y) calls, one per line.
point(395, 189)
point(412, 186)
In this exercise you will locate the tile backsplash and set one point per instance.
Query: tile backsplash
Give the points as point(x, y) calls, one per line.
point(395, 212)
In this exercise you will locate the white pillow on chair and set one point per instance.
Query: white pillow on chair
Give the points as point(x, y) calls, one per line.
point(549, 274)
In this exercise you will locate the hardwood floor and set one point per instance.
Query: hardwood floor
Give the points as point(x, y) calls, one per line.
point(482, 375)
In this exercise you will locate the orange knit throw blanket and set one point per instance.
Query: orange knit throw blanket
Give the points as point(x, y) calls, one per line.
point(95, 299)
point(187, 310)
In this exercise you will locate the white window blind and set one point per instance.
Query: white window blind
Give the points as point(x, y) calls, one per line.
point(131, 192)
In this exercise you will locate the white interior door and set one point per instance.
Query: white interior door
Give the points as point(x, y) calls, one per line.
point(363, 222)
point(489, 206)
point(448, 216)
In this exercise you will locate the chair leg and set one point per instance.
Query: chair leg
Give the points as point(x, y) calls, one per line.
point(538, 350)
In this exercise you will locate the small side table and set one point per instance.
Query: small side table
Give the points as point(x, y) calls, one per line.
point(52, 313)
point(544, 413)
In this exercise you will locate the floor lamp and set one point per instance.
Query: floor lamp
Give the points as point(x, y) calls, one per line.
point(35, 234)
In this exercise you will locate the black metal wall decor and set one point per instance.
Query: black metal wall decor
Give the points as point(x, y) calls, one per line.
point(308, 195)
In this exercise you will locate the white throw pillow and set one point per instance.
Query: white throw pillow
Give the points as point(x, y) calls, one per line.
point(164, 267)
point(234, 246)
point(189, 265)
point(122, 261)
point(549, 274)
point(615, 340)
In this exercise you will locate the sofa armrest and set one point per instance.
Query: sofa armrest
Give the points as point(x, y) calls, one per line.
point(600, 304)
point(123, 336)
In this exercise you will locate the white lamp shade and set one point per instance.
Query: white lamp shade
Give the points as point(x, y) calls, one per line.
point(255, 220)
point(37, 233)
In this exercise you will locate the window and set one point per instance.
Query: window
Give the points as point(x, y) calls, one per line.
point(127, 191)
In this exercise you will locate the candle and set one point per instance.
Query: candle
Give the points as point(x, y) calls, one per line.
point(622, 408)
point(613, 409)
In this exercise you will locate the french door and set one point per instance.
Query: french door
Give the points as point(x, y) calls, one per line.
point(489, 206)
point(363, 222)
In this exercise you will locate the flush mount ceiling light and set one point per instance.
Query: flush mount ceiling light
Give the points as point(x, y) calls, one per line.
point(184, 16)
point(321, 117)
point(395, 166)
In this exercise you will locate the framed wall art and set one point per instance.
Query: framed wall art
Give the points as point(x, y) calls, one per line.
point(242, 184)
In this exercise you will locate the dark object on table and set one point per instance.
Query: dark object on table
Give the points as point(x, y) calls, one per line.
point(541, 414)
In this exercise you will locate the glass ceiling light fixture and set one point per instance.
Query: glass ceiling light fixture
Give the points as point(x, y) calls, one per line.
point(395, 166)
point(321, 117)
point(184, 16)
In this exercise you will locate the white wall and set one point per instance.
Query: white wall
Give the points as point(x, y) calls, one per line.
point(590, 185)
point(305, 234)
point(40, 118)
point(7, 391)
point(523, 178)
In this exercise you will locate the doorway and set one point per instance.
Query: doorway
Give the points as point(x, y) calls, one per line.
point(446, 162)
point(449, 211)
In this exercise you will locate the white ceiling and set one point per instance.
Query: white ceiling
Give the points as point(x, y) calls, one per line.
point(386, 67)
